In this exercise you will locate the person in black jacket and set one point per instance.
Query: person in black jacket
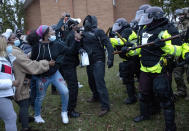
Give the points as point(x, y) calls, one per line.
point(94, 40)
point(68, 67)
point(49, 49)
point(61, 29)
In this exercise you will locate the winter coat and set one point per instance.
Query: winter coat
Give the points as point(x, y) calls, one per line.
point(22, 66)
point(6, 78)
point(71, 59)
point(51, 51)
point(94, 40)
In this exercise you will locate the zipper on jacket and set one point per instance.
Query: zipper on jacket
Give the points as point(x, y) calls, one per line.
point(44, 51)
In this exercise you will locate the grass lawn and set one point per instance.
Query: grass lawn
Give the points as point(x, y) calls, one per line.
point(120, 118)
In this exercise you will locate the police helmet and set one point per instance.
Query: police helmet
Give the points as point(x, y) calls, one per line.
point(151, 14)
point(133, 24)
point(144, 7)
point(141, 10)
point(120, 23)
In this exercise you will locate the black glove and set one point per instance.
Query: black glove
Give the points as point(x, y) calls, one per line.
point(81, 51)
point(159, 43)
point(110, 63)
point(124, 49)
point(187, 58)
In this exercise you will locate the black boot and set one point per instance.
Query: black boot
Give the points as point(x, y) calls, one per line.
point(131, 94)
point(155, 107)
point(29, 129)
point(169, 115)
point(73, 114)
point(144, 112)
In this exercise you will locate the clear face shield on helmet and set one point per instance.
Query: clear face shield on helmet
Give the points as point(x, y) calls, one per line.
point(139, 13)
point(145, 19)
point(116, 27)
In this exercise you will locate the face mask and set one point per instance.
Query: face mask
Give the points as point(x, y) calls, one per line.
point(87, 25)
point(52, 38)
point(9, 49)
point(17, 43)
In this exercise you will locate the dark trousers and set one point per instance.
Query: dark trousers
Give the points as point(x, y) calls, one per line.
point(70, 75)
point(159, 86)
point(23, 112)
point(96, 73)
point(128, 70)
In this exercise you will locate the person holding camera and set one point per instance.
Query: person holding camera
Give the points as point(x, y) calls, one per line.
point(68, 67)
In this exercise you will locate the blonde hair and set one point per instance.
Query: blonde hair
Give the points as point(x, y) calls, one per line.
point(3, 45)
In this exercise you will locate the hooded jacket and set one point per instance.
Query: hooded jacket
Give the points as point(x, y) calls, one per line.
point(71, 57)
point(51, 51)
point(94, 40)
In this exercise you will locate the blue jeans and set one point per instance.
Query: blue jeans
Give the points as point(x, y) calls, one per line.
point(42, 84)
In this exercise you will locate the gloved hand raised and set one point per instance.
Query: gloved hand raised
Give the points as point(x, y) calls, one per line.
point(110, 63)
point(159, 43)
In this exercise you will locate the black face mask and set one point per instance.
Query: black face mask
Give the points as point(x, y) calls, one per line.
point(87, 25)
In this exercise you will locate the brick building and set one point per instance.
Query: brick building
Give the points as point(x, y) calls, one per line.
point(48, 12)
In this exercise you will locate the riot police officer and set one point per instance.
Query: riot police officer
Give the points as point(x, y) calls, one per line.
point(130, 65)
point(154, 79)
point(183, 16)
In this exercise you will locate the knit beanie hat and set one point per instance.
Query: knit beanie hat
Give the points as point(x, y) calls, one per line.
point(7, 34)
point(41, 30)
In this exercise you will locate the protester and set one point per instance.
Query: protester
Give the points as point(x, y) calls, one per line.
point(23, 66)
point(48, 49)
point(68, 68)
point(7, 86)
point(94, 40)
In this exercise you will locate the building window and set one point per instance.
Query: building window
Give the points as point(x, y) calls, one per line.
point(114, 3)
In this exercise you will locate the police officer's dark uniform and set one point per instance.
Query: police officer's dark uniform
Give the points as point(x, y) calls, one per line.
point(154, 78)
point(130, 65)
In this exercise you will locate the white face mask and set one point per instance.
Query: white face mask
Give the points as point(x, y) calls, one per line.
point(52, 38)
point(9, 49)
point(17, 43)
